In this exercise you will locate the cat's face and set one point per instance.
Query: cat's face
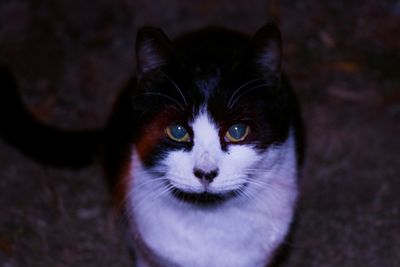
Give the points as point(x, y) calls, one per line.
point(210, 113)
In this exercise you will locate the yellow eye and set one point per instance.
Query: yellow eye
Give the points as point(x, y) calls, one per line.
point(177, 133)
point(237, 132)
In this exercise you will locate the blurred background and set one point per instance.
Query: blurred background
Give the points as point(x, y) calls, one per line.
point(71, 59)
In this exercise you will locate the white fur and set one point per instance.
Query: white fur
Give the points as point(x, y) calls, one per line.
point(241, 232)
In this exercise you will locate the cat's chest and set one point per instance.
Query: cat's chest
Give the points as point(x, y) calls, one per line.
point(225, 237)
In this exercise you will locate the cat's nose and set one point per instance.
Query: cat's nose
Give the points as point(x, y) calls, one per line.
point(206, 176)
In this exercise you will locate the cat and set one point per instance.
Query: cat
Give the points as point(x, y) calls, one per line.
point(203, 150)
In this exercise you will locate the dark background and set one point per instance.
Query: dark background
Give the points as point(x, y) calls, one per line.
point(72, 57)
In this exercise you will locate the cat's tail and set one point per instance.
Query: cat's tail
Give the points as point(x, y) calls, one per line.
point(41, 142)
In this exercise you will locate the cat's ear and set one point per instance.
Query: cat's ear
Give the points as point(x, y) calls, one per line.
point(152, 48)
point(268, 44)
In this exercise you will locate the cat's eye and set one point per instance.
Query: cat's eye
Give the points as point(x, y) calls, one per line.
point(177, 133)
point(237, 132)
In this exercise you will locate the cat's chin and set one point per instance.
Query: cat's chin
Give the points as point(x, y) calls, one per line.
point(204, 198)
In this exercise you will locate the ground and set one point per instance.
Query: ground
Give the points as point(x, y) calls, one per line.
point(72, 57)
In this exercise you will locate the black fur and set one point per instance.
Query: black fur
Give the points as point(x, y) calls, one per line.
point(205, 68)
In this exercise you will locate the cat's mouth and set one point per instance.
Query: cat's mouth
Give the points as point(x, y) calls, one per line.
point(203, 198)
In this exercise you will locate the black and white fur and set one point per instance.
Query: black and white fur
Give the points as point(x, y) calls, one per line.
point(207, 81)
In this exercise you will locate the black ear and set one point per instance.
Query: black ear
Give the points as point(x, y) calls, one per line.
point(268, 45)
point(152, 48)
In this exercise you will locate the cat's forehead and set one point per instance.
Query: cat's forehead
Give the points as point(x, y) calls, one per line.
point(205, 129)
point(211, 58)
point(207, 81)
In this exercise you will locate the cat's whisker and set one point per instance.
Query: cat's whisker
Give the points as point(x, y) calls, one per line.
point(158, 170)
point(261, 169)
point(167, 189)
point(255, 170)
point(246, 92)
point(268, 165)
point(259, 185)
point(167, 97)
point(239, 179)
point(180, 184)
point(247, 194)
point(241, 193)
point(176, 86)
point(149, 182)
point(152, 196)
point(148, 201)
point(240, 87)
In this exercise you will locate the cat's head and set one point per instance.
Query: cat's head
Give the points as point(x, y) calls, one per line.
point(209, 110)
